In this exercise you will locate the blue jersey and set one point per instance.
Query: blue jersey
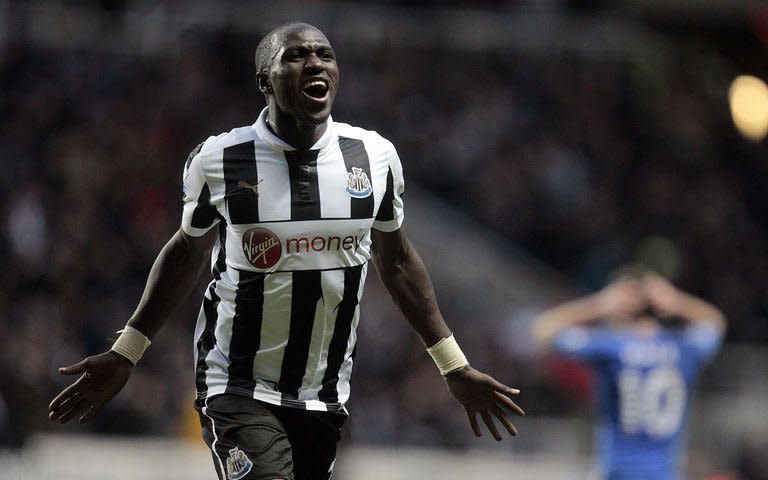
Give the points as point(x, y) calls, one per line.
point(644, 384)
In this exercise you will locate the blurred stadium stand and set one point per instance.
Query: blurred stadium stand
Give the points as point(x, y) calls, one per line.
point(544, 143)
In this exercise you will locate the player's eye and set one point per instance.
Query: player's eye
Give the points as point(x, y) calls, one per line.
point(293, 56)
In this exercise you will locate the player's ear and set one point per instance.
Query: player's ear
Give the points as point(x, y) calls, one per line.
point(262, 81)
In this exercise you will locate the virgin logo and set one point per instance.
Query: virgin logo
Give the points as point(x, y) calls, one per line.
point(262, 248)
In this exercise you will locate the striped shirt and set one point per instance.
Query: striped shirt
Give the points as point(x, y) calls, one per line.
point(278, 320)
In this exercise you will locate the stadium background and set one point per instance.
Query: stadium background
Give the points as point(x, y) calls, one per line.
point(544, 143)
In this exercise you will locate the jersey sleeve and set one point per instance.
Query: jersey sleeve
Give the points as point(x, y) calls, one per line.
point(586, 343)
point(390, 215)
point(702, 340)
point(199, 215)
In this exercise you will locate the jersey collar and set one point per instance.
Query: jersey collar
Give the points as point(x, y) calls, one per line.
point(266, 135)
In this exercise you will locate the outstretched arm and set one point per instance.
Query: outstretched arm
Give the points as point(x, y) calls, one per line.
point(405, 277)
point(173, 275)
point(171, 279)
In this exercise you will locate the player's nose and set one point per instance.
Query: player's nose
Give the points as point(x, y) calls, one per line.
point(313, 63)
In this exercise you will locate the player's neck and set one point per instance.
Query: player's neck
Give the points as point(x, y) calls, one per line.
point(299, 135)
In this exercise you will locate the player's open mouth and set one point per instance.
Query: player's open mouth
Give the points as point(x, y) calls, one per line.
point(316, 89)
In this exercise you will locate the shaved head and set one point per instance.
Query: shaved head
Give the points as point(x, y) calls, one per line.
point(296, 71)
point(270, 44)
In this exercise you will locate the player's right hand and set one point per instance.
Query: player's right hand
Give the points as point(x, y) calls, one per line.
point(103, 376)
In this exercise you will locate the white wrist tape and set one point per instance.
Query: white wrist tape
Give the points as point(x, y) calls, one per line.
point(447, 355)
point(131, 344)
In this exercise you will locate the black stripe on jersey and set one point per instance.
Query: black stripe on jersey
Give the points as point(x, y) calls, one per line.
point(307, 291)
point(221, 261)
point(341, 331)
point(387, 208)
point(204, 214)
point(246, 331)
point(305, 191)
point(241, 180)
point(207, 340)
point(353, 151)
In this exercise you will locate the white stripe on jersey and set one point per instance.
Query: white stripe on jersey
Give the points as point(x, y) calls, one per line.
point(333, 180)
point(225, 311)
point(275, 326)
point(325, 320)
point(273, 180)
point(345, 372)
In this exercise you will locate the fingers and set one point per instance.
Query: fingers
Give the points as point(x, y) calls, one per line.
point(507, 402)
point(491, 426)
point(506, 390)
point(79, 367)
point(56, 411)
point(504, 421)
point(66, 395)
point(473, 422)
point(79, 406)
point(95, 408)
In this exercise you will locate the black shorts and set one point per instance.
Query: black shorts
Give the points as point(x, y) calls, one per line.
point(253, 440)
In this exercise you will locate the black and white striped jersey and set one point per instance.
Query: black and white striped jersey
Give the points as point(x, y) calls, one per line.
point(278, 320)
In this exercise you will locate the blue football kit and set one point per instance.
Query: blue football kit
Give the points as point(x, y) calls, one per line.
point(644, 384)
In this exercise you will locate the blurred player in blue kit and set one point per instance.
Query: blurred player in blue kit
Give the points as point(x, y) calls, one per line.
point(646, 341)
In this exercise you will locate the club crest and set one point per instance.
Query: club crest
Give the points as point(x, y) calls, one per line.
point(238, 464)
point(358, 184)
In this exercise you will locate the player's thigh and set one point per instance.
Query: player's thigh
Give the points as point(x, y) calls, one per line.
point(246, 439)
point(314, 437)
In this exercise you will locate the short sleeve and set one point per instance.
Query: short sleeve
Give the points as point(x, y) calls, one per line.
point(586, 343)
point(390, 215)
point(199, 215)
point(703, 340)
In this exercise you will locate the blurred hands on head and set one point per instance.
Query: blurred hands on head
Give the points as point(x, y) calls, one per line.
point(662, 295)
point(622, 298)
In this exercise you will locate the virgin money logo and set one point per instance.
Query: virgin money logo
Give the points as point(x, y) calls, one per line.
point(262, 248)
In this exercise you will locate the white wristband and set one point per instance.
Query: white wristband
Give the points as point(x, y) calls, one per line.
point(447, 355)
point(131, 344)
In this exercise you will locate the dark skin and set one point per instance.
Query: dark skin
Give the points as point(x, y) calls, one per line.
point(304, 56)
point(171, 279)
point(403, 273)
point(300, 86)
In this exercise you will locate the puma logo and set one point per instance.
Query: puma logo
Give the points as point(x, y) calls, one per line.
point(242, 184)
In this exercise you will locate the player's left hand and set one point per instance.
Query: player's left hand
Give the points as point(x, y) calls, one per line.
point(483, 394)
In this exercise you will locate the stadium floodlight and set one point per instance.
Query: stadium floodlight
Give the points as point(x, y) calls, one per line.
point(748, 99)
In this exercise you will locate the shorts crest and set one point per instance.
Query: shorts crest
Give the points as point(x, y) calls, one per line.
point(238, 464)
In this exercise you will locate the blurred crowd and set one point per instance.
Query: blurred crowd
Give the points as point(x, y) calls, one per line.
point(585, 164)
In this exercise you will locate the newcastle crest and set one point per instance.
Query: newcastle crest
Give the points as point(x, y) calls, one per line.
point(238, 464)
point(358, 184)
